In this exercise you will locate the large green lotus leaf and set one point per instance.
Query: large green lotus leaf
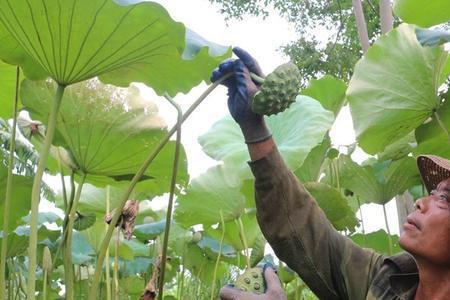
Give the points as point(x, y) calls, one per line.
point(310, 169)
point(20, 197)
point(432, 38)
point(108, 132)
point(211, 247)
point(232, 232)
point(329, 91)
point(201, 266)
point(12, 53)
point(7, 90)
point(93, 199)
point(401, 175)
point(394, 88)
point(93, 236)
point(360, 180)
point(334, 205)
point(150, 231)
point(17, 244)
point(82, 251)
point(306, 119)
point(208, 196)
point(445, 72)
point(398, 149)
point(431, 137)
point(377, 240)
point(78, 40)
point(423, 13)
point(44, 217)
point(377, 182)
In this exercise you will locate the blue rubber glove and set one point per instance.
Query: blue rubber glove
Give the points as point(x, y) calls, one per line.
point(241, 89)
point(274, 290)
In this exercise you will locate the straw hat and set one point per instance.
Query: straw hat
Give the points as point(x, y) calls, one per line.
point(433, 170)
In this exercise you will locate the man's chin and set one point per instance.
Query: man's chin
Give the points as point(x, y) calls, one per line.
point(405, 242)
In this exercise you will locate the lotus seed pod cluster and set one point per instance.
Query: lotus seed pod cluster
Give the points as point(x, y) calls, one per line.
point(279, 90)
point(252, 281)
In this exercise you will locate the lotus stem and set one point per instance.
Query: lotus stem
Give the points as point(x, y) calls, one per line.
point(107, 279)
point(362, 222)
point(66, 217)
point(213, 286)
point(101, 256)
point(171, 196)
point(244, 241)
point(387, 229)
point(257, 78)
point(116, 266)
point(68, 267)
point(8, 196)
point(36, 191)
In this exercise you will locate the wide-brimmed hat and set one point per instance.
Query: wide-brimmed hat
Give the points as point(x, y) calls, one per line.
point(433, 170)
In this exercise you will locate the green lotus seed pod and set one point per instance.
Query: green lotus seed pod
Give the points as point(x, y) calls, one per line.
point(279, 90)
point(252, 280)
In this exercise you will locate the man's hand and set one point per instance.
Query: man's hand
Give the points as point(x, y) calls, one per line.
point(241, 89)
point(274, 290)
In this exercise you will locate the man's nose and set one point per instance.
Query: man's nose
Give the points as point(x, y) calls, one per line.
point(421, 204)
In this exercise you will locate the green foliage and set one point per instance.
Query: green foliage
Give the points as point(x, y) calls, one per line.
point(433, 136)
point(20, 197)
point(398, 104)
point(98, 123)
point(334, 205)
point(8, 90)
point(432, 38)
point(424, 14)
point(394, 88)
point(329, 91)
point(307, 122)
point(116, 42)
point(377, 241)
point(208, 196)
point(377, 182)
point(314, 58)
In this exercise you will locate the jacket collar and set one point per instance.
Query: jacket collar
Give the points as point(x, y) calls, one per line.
point(405, 282)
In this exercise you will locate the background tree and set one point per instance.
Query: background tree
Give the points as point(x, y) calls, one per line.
point(334, 56)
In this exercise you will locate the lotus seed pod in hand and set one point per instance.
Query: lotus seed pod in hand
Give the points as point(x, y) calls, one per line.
point(279, 90)
point(252, 280)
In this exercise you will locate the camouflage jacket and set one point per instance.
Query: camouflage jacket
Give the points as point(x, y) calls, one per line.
point(330, 264)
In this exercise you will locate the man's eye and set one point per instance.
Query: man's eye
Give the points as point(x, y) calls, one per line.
point(444, 197)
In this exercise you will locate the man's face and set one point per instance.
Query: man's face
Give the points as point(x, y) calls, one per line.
point(426, 233)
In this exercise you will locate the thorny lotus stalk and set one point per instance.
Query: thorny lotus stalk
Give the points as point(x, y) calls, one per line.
point(36, 191)
point(243, 240)
point(67, 241)
point(363, 230)
point(8, 196)
point(108, 279)
point(101, 255)
point(171, 196)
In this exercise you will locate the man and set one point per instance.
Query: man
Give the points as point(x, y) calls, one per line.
point(301, 236)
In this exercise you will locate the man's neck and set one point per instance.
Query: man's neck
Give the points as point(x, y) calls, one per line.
point(434, 282)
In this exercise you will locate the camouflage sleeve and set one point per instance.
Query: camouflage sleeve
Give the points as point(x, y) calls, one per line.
point(301, 236)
